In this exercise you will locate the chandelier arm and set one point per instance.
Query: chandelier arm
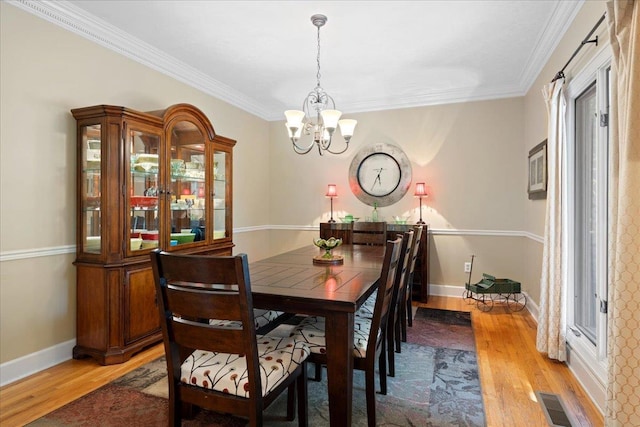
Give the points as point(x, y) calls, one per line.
point(339, 152)
point(301, 150)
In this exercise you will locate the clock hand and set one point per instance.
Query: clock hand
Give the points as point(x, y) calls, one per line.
point(378, 180)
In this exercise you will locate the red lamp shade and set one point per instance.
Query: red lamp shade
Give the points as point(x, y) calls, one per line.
point(331, 191)
point(421, 190)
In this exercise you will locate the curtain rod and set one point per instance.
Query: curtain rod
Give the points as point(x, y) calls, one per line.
point(560, 74)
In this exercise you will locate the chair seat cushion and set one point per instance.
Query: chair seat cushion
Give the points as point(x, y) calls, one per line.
point(366, 309)
point(312, 331)
point(260, 316)
point(227, 373)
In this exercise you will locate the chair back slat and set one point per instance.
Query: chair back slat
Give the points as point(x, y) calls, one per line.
point(415, 247)
point(202, 336)
point(203, 303)
point(401, 278)
point(385, 292)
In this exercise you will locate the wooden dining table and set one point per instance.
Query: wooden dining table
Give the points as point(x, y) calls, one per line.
point(292, 283)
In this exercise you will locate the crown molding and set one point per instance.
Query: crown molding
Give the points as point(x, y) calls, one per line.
point(561, 19)
point(76, 20)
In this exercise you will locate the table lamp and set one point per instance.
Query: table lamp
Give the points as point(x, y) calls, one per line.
point(331, 193)
point(421, 191)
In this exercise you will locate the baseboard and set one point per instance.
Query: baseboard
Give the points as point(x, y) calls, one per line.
point(30, 364)
point(582, 371)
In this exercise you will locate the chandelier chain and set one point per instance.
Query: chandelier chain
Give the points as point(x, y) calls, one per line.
point(318, 58)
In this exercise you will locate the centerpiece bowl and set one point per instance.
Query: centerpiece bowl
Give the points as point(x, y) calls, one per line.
point(328, 245)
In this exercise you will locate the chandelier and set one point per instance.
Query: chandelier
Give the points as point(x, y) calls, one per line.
point(318, 117)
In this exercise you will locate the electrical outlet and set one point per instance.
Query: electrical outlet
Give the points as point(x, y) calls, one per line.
point(467, 267)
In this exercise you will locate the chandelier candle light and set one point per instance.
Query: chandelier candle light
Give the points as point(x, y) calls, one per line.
point(318, 117)
point(331, 193)
point(421, 191)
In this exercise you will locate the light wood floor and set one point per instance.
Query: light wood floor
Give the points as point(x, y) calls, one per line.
point(511, 370)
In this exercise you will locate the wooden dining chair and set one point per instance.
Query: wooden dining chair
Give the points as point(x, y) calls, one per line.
point(399, 288)
point(369, 334)
point(406, 309)
point(369, 233)
point(226, 369)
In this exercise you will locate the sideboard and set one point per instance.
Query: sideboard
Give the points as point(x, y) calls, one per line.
point(343, 230)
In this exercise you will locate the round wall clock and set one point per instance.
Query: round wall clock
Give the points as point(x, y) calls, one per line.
point(380, 174)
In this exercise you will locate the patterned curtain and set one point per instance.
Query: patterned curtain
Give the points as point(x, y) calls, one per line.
point(623, 397)
point(552, 317)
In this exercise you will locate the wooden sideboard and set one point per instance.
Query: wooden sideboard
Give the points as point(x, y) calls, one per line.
point(343, 230)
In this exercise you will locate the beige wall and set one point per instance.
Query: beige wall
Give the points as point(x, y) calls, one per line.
point(472, 155)
point(535, 119)
point(46, 71)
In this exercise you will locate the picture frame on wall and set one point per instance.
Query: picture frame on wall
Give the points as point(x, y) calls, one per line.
point(537, 187)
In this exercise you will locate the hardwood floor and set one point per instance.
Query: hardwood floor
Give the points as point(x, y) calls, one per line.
point(511, 371)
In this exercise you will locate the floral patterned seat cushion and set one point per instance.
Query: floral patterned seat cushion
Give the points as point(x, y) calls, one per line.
point(227, 373)
point(311, 331)
point(261, 317)
point(366, 309)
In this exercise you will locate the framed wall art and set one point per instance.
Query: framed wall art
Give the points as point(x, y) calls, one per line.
point(537, 187)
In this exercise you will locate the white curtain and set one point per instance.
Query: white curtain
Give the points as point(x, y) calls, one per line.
point(623, 391)
point(552, 317)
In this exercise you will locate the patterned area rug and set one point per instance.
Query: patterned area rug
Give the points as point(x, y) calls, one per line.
point(434, 386)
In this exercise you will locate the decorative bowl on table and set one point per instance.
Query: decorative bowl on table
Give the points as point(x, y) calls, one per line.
point(328, 245)
point(349, 218)
point(400, 219)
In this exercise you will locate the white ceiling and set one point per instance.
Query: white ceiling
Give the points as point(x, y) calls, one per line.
point(375, 55)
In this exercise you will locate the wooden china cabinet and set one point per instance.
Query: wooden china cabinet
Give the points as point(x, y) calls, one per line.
point(144, 180)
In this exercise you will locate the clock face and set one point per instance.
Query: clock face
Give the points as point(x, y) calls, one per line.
point(379, 174)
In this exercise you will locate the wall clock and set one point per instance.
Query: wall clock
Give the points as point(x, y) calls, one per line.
point(380, 174)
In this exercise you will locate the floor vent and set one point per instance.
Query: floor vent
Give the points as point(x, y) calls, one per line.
point(554, 410)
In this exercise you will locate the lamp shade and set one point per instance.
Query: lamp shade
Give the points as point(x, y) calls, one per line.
point(347, 126)
point(294, 118)
point(332, 191)
point(421, 190)
point(330, 119)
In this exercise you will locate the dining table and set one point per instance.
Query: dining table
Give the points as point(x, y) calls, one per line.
point(291, 282)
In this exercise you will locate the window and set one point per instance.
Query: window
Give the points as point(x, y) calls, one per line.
point(587, 180)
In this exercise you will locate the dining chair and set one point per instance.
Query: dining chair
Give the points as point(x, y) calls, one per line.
point(369, 233)
point(369, 339)
point(399, 287)
point(230, 370)
point(406, 309)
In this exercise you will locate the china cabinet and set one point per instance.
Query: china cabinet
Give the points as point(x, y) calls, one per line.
point(160, 179)
point(343, 230)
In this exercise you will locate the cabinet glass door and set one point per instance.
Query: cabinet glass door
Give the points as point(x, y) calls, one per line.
point(91, 188)
point(143, 190)
point(187, 186)
point(220, 194)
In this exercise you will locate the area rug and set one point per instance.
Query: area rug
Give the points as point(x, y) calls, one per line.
point(442, 328)
point(433, 386)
